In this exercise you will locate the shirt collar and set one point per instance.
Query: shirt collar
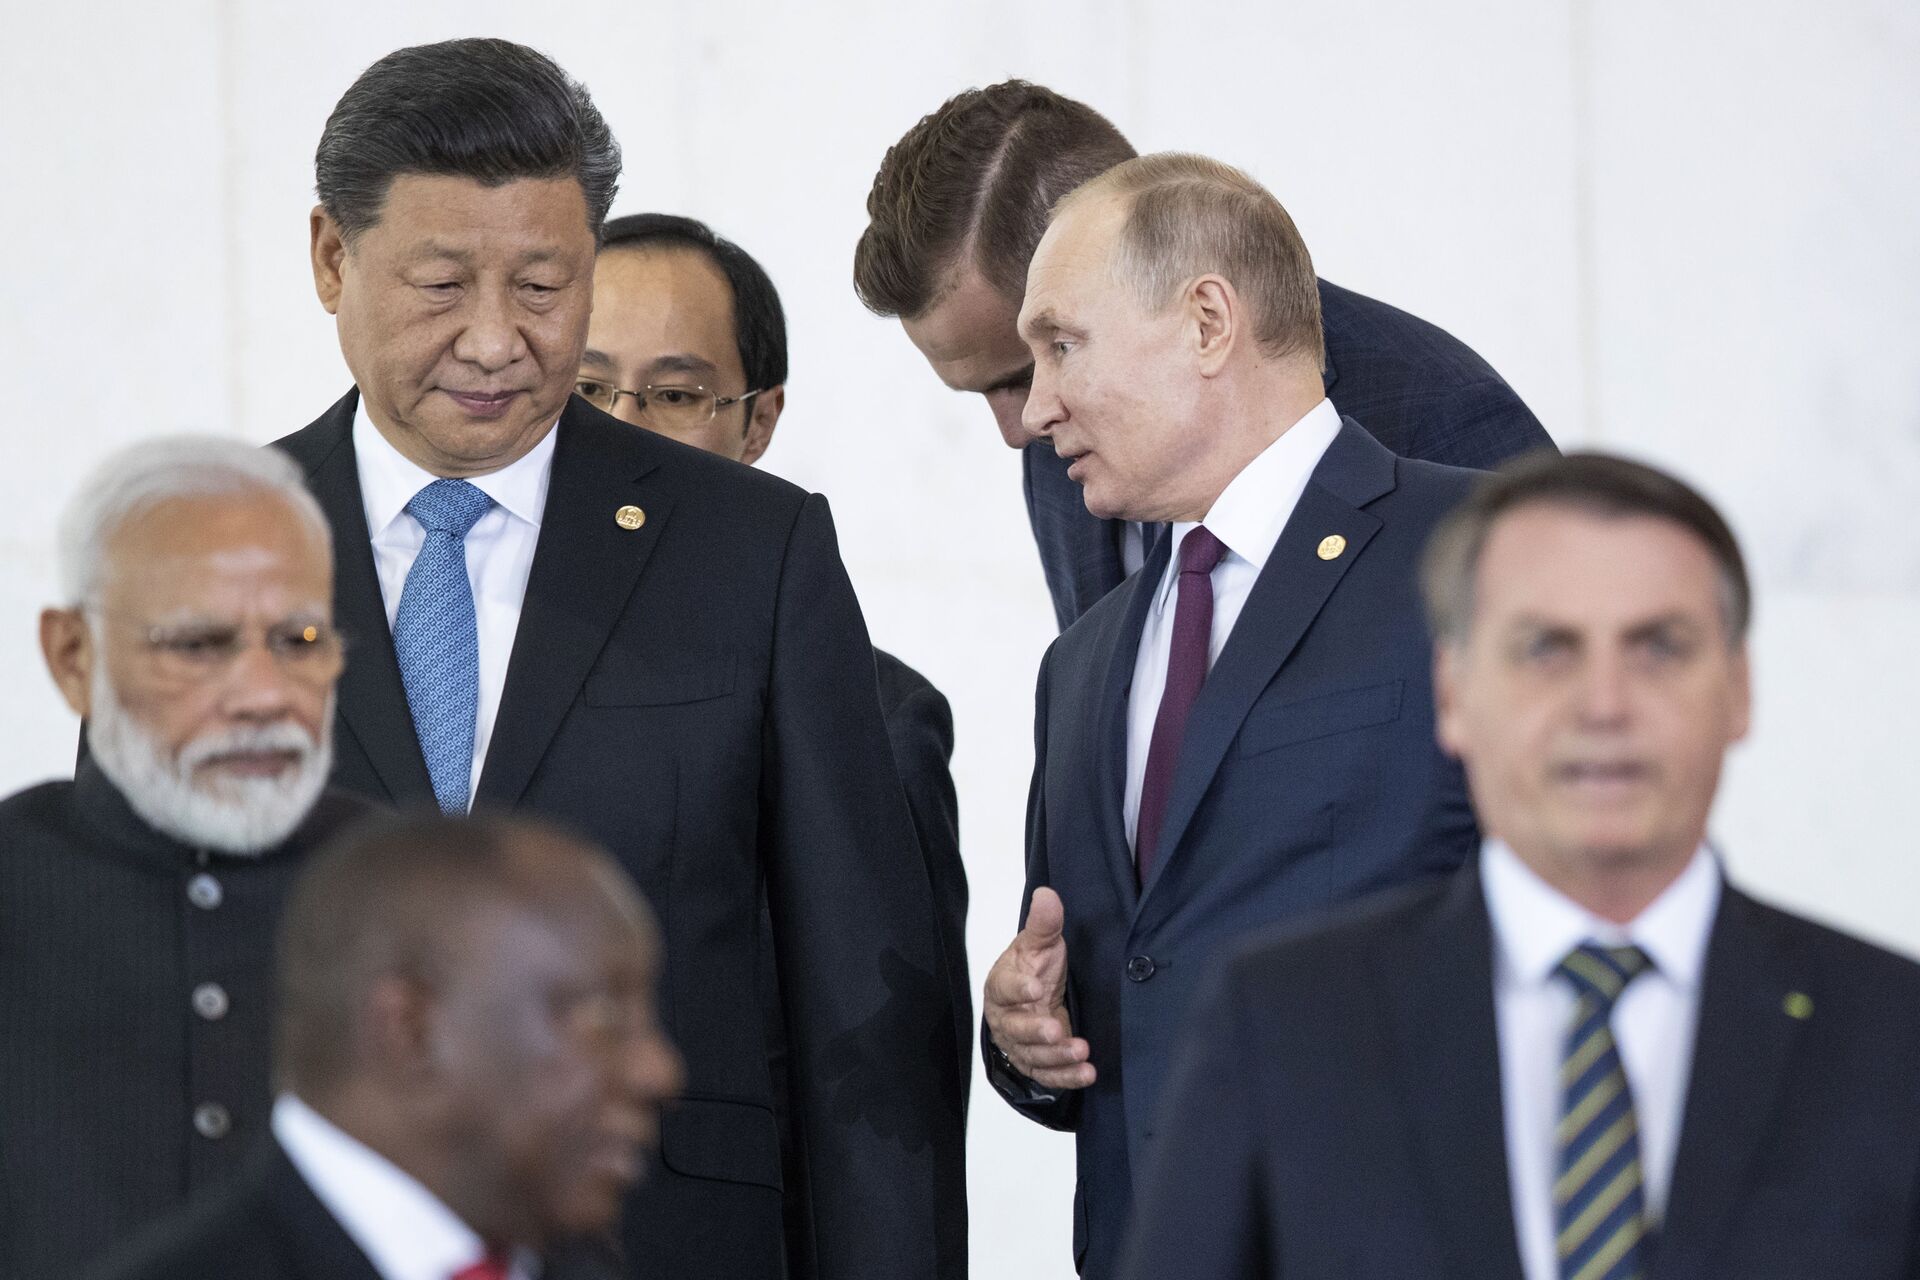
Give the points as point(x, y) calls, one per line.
point(1251, 511)
point(403, 1228)
point(1535, 925)
point(389, 479)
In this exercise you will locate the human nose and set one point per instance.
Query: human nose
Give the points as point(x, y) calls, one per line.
point(491, 337)
point(1009, 408)
point(256, 685)
point(1044, 410)
point(1604, 695)
point(626, 407)
point(652, 1070)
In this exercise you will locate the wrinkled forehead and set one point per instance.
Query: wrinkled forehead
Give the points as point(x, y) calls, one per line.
point(254, 548)
point(1577, 567)
point(1074, 262)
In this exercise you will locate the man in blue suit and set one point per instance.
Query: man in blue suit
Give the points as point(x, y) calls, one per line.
point(1244, 732)
point(1586, 1056)
point(955, 212)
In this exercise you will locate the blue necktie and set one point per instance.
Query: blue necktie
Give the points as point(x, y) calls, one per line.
point(436, 638)
point(1599, 1201)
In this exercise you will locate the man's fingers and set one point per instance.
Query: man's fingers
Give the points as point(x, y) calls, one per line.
point(1045, 919)
point(1075, 1077)
point(1048, 1057)
point(1014, 1028)
point(1009, 984)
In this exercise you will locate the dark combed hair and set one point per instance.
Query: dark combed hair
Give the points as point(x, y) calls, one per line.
point(489, 110)
point(976, 179)
point(1598, 484)
point(759, 323)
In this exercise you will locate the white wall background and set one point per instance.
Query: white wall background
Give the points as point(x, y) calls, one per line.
point(1682, 228)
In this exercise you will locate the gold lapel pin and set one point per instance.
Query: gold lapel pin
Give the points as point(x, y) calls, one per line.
point(629, 518)
point(1331, 546)
point(1798, 1004)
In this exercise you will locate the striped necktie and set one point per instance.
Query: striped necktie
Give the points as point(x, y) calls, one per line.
point(1599, 1203)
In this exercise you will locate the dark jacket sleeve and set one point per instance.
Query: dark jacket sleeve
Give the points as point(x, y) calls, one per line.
point(1056, 1109)
point(920, 729)
point(871, 1072)
point(1198, 1208)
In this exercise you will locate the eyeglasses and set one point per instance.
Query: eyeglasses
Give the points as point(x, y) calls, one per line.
point(193, 652)
point(671, 406)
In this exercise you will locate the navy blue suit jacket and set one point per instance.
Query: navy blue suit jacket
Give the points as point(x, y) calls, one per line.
point(1337, 1109)
point(1418, 389)
point(1309, 775)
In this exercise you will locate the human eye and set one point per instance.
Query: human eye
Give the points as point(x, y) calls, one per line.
point(590, 389)
point(200, 646)
point(675, 397)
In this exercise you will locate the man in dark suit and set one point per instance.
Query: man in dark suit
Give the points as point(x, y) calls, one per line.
point(1587, 1056)
point(138, 901)
point(955, 212)
point(471, 1063)
point(1244, 732)
point(689, 339)
point(559, 614)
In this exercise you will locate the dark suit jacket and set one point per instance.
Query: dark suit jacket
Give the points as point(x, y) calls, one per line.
point(1419, 390)
point(698, 695)
point(920, 729)
point(268, 1225)
point(1309, 775)
point(1337, 1110)
point(107, 930)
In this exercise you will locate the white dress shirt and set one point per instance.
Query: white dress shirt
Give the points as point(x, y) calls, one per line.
point(403, 1228)
point(1654, 1020)
point(1247, 517)
point(499, 548)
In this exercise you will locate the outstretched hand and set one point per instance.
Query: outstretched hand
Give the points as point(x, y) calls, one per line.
point(1026, 1001)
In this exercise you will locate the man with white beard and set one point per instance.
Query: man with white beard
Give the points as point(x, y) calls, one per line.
point(138, 902)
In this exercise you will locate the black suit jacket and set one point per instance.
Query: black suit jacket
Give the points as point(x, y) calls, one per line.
point(1415, 387)
point(1337, 1112)
point(1309, 775)
point(698, 695)
point(268, 1225)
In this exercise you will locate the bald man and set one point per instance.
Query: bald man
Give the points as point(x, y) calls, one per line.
point(471, 1062)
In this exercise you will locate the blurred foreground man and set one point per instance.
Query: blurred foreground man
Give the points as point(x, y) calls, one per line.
point(558, 614)
point(138, 902)
point(1243, 733)
point(471, 1061)
point(1587, 1056)
point(689, 339)
point(956, 211)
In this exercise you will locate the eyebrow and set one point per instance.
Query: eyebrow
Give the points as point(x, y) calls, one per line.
point(601, 358)
point(1042, 321)
point(682, 363)
point(433, 249)
point(1021, 377)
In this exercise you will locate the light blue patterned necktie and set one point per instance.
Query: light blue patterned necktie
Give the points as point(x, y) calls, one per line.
point(436, 638)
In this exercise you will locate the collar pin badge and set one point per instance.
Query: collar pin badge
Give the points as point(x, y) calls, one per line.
point(1331, 546)
point(629, 518)
point(1798, 1005)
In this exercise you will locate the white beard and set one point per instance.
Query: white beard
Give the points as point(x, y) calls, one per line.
point(245, 816)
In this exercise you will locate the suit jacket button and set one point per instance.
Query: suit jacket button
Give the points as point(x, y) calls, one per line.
point(1140, 968)
point(204, 891)
point(211, 1120)
point(210, 1001)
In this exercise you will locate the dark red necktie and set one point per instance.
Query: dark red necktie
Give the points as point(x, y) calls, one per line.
point(491, 1267)
point(1200, 551)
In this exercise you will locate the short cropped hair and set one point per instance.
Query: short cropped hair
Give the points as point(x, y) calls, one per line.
point(759, 323)
point(1188, 216)
point(973, 184)
point(1597, 484)
point(140, 477)
point(386, 898)
point(489, 110)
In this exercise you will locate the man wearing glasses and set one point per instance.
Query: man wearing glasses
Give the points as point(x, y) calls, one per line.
point(138, 901)
point(688, 339)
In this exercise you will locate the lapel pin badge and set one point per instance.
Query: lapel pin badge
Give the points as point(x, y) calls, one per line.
point(1331, 546)
point(629, 518)
point(1798, 1005)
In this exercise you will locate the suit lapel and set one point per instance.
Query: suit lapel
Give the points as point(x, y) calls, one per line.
point(584, 570)
point(1742, 1053)
point(312, 1241)
point(1286, 598)
point(372, 700)
point(1109, 728)
point(1439, 986)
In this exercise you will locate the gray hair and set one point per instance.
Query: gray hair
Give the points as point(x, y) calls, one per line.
point(1189, 216)
point(138, 478)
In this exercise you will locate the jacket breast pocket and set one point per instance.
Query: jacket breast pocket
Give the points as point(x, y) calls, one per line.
point(641, 683)
point(1322, 716)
